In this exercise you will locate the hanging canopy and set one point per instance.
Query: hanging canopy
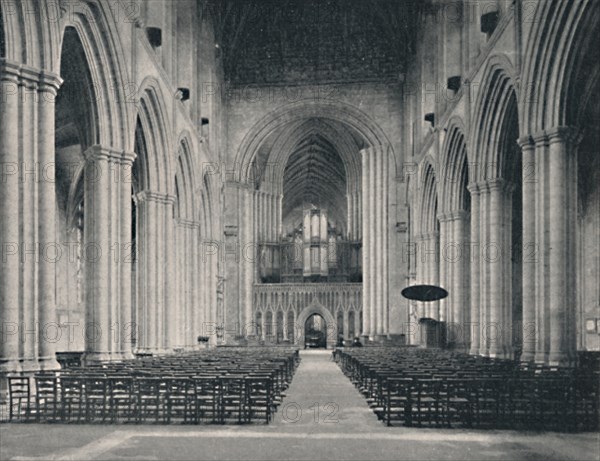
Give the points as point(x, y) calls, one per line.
point(424, 293)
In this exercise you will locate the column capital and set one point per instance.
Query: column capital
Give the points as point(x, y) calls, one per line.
point(152, 196)
point(526, 141)
point(30, 76)
point(444, 217)
point(187, 223)
point(474, 188)
point(127, 158)
point(99, 153)
point(457, 215)
point(567, 134)
point(499, 184)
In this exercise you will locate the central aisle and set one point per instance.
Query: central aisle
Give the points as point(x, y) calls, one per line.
point(322, 399)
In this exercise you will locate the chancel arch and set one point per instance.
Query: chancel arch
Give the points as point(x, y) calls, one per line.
point(303, 173)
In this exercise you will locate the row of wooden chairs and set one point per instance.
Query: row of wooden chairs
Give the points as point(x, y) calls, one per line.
point(417, 387)
point(152, 391)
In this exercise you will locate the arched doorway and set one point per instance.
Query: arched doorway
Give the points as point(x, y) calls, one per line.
point(327, 325)
point(315, 332)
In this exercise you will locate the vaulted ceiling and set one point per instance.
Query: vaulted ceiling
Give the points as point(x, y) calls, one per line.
point(295, 41)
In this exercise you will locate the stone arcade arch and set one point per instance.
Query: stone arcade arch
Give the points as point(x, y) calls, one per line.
point(561, 78)
point(496, 221)
point(154, 178)
point(455, 224)
point(184, 306)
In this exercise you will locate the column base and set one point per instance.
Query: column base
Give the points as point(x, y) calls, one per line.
point(527, 357)
point(96, 357)
point(474, 351)
point(560, 359)
point(127, 356)
point(48, 364)
point(10, 366)
point(461, 347)
point(500, 353)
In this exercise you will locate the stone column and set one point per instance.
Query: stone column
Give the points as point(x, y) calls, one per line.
point(46, 217)
point(30, 252)
point(154, 210)
point(249, 254)
point(107, 232)
point(285, 325)
point(385, 229)
point(562, 189)
point(358, 215)
point(377, 204)
point(542, 249)
point(474, 260)
point(455, 256)
point(500, 320)
point(372, 242)
point(433, 271)
point(484, 272)
point(529, 175)
point(350, 211)
point(366, 254)
point(445, 237)
point(97, 237)
point(9, 213)
point(127, 257)
point(346, 324)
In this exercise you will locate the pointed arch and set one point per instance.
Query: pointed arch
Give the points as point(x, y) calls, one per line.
point(185, 180)
point(560, 50)
point(428, 198)
point(96, 28)
point(155, 170)
point(495, 108)
point(367, 130)
point(455, 169)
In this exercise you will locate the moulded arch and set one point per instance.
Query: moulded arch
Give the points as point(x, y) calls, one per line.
point(316, 308)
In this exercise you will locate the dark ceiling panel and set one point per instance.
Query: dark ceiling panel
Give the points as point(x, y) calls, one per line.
point(291, 41)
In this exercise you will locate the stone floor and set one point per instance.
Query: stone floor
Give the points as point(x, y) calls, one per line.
point(322, 417)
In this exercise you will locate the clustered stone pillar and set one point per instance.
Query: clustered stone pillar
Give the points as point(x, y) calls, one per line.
point(529, 332)
point(107, 237)
point(491, 279)
point(249, 259)
point(375, 182)
point(29, 247)
point(458, 258)
point(549, 243)
point(184, 306)
point(155, 223)
point(444, 270)
point(476, 304)
point(431, 270)
point(453, 267)
point(562, 143)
